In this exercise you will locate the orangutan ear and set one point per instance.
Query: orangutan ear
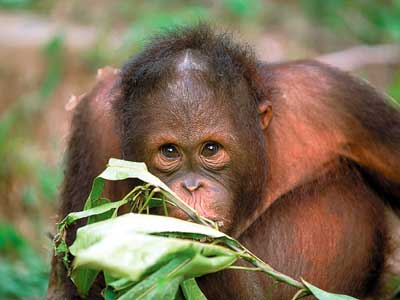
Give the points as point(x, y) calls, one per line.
point(265, 113)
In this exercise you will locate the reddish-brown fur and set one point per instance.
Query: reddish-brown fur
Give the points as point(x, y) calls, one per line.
point(332, 149)
point(329, 231)
point(299, 128)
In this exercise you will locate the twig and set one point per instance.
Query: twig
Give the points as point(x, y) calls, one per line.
point(359, 56)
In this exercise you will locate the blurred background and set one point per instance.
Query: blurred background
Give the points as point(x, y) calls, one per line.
point(50, 50)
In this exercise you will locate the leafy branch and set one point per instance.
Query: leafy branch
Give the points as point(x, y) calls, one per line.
point(145, 256)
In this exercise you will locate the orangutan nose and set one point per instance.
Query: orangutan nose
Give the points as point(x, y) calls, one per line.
point(192, 184)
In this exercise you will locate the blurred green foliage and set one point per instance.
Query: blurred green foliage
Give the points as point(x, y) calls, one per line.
point(141, 28)
point(23, 272)
point(370, 21)
point(16, 126)
point(145, 18)
point(244, 9)
point(42, 6)
point(14, 3)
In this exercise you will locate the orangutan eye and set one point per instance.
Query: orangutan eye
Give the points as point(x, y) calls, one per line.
point(210, 149)
point(170, 151)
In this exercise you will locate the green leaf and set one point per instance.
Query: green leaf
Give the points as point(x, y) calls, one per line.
point(109, 294)
point(98, 210)
point(62, 247)
point(323, 295)
point(118, 169)
point(125, 248)
point(191, 290)
point(106, 215)
point(95, 193)
point(162, 284)
point(148, 224)
point(120, 284)
point(83, 279)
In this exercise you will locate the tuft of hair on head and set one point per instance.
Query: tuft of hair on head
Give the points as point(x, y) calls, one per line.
point(189, 61)
point(227, 61)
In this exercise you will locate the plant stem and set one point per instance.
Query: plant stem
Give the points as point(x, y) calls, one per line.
point(244, 268)
point(300, 294)
point(258, 263)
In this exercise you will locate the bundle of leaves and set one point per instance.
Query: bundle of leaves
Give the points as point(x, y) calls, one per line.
point(144, 256)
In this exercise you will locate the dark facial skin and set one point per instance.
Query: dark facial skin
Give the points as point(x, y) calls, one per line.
point(193, 145)
point(191, 151)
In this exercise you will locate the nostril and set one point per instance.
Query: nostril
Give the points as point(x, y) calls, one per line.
point(192, 184)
